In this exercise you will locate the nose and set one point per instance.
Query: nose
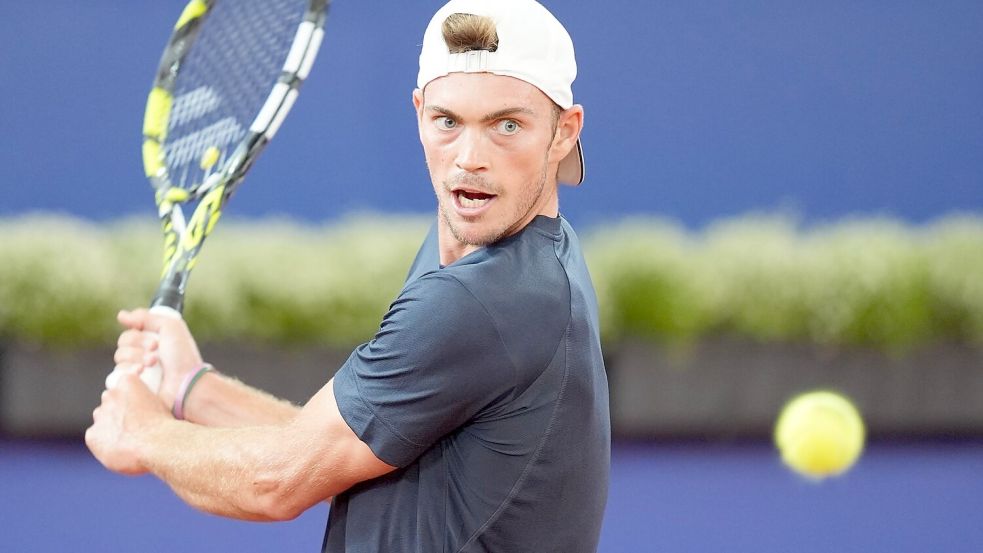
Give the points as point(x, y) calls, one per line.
point(470, 152)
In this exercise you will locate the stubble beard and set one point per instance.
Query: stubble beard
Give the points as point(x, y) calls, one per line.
point(527, 202)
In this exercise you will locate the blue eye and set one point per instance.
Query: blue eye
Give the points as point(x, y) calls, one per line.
point(508, 126)
point(445, 123)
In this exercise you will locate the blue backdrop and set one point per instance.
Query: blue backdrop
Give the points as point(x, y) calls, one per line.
point(695, 109)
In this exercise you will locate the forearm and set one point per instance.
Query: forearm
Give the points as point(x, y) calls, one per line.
point(269, 472)
point(222, 401)
point(245, 473)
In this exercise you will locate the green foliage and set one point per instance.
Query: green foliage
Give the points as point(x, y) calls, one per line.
point(865, 281)
point(286, 283)
point(62, 280)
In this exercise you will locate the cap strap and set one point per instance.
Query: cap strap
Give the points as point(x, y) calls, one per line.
point(475, 61)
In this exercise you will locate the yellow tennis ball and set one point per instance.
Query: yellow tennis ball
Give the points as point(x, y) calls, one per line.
point(819, 434)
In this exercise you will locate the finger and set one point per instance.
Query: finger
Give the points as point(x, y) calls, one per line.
point(128, 355)
point(129, 337)
point(150, 341)
point(135, 319)
point(128, 368)
point(113, 378)
point(90, 437)
point(131, 349)
point(144, 382)
point(155, 321)
point(129, 381)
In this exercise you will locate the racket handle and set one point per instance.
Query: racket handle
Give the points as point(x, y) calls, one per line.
point(154, 374)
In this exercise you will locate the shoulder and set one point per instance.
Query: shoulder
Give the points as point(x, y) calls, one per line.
point(523, 269)
point(523, 288)
point(433, 307)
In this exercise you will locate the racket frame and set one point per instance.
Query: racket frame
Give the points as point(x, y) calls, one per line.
point(183, 238)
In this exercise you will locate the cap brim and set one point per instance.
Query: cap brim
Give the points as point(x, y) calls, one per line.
point(571, 170)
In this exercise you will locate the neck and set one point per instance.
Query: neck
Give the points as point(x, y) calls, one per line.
point(451, 249)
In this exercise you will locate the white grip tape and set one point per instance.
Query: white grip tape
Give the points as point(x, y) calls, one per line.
point(153, 375)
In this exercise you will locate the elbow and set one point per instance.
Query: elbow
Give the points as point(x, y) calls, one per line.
point(273, 507)
point(279, 499)
point(287, 484)
point(279, 509)
point(253, 507)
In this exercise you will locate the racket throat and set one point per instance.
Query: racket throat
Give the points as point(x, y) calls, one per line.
point(170, 294)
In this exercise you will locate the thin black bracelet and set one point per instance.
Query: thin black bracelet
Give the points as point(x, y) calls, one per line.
point(185, 390)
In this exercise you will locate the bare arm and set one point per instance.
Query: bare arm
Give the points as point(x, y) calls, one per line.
point(216, 400)
point(270, 472)
point(222, 401)
point(241, 453)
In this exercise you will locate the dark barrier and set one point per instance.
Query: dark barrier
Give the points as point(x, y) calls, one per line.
point(711, 389)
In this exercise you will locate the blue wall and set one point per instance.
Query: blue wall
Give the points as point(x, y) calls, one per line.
point(695, 109)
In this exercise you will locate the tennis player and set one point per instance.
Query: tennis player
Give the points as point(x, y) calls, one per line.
point(476, 419)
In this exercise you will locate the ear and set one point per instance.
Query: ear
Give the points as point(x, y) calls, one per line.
point(568, 127)
point(418, 106)
point(418, 102)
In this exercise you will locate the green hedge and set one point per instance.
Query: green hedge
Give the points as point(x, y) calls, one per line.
point(865, 281)
point(857, 282)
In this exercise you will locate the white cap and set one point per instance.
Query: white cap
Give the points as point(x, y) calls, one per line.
point(532, 46)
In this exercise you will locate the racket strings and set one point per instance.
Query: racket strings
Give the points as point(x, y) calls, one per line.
point(224, 81)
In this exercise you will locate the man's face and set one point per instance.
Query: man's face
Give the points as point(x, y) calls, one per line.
point(489, 144)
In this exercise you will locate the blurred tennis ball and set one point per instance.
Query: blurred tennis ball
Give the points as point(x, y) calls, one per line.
point(819, 434)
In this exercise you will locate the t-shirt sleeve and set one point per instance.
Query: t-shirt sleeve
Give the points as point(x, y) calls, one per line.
point(437, 361)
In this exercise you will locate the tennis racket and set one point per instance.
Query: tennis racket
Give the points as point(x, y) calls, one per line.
point(228, 77)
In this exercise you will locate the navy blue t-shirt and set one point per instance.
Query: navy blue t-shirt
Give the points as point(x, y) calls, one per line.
point(486, 387)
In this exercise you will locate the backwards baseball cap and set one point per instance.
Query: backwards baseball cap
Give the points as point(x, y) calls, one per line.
point(532, 46)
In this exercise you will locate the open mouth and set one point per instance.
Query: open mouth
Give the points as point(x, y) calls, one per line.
point(470, 199)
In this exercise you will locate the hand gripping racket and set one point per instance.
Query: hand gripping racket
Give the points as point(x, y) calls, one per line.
point(228, 77)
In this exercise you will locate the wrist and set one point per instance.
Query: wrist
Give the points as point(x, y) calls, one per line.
point(179, 410)
point(147, 442)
